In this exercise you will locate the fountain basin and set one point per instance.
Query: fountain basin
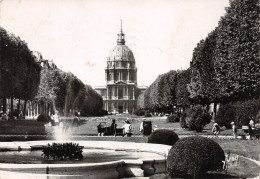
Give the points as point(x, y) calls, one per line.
point(143, 166)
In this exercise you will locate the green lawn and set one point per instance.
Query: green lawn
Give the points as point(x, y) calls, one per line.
point(87, 130)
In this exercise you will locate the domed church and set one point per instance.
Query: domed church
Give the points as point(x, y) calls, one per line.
point(121, 91)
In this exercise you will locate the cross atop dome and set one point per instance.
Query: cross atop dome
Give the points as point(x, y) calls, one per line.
point(121, 36)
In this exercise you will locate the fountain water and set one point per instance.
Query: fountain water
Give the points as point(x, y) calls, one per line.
point(140, 159)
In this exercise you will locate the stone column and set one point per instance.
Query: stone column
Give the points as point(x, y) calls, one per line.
point(37, 109)
point(127, 94)
point(106, 76)
point(126, 110)
point(128, 76)
point(133, 93)
point(117, 92)
point(123, 92)
point(107, 93)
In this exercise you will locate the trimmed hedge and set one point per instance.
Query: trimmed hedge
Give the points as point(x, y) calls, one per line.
point(173, 118)
point(163, 136)
point(194, 156)
point(147, 114)
point(139, 112)
point(195, 118)
point(241, 112)
point(43, 118)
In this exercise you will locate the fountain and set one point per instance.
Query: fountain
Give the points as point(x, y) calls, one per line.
point(117, 159)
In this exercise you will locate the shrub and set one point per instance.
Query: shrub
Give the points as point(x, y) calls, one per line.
point(173, 118)
point(139, 112)
point(246, 111)
point(147, 114)
point(196, 118)
point(183, 121)
point(43, 118)
point(61, 151)
point(225, 116)
point(194, 156)
point(102, 113)
point(163, 136)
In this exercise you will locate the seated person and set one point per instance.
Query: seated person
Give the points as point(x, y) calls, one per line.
point(216, 129)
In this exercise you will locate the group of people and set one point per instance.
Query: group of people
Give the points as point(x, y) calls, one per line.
point(6, 116)
point(216, 129)
point(251, 128)
point(145, 127)
point(55, 119)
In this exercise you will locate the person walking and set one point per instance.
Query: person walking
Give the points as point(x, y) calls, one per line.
point(127, 128)
point(234, 129)
point(251, 129)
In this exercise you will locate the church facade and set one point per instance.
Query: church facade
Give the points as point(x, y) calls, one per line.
point(121, 91)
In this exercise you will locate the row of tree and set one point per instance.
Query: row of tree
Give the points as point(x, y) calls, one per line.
point(66, 93)
point(167, 92)
point(23, 78)
point(19, 72)
point(225, 65)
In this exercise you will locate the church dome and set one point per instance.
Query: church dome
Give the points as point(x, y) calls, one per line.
point(121, 52)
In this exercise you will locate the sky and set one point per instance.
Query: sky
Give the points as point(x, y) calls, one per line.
point(77, 35)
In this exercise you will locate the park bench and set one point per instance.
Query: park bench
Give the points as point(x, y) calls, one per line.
point(105, 129)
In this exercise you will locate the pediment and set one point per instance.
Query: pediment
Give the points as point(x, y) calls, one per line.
point(120, 83)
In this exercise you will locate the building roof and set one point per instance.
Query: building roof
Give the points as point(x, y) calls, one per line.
point(121, 53)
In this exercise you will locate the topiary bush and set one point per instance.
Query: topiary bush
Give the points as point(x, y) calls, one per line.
point(196, 118)
point(62, 151)
point(225, 116)
point(163, 136)
point(139, 112)
point(147, 114)
point(173, 118)
point(194, 156)
point(43, 118)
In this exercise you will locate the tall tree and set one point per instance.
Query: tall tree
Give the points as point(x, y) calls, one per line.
point(237, 63)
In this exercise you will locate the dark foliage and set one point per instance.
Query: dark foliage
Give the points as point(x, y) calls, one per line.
point(63, 151)
point(163, 136)
point(139, 112)
point(194, 156)
point(102, 112)
point(147, 114)
point(183, 121)
point(246, 111)
point(225, 116)
point(43, 118)
point(196, 118)
point(173, 118)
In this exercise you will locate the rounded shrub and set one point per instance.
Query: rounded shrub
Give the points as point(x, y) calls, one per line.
point(225, 116)
point(196, 118)
point(173, 118)
point(147, 114)
point(194, 156)
point(43, 118)
point(163, 136)
point(139, 112)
